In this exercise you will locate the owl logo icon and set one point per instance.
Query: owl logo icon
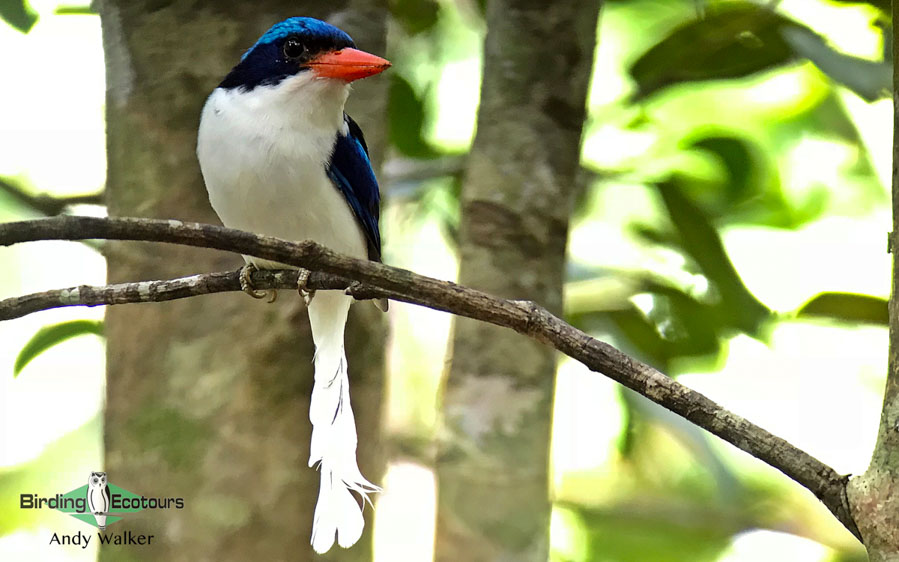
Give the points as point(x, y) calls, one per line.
point(98, 498)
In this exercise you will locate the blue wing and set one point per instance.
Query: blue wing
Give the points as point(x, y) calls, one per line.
point(350, 170)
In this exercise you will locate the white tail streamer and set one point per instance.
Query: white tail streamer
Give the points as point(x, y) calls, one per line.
point(333, 443)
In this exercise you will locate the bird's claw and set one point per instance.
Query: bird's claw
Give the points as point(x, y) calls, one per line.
point(302, 280)
point(246, 284)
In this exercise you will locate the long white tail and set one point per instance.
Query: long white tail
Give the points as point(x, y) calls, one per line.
point(333, 443)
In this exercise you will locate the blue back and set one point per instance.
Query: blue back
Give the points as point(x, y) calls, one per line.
point(350, 170)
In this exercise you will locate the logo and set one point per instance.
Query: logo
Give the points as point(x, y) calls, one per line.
point(99, 503)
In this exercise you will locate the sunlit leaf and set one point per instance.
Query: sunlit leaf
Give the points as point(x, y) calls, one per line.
point(869, 79)
point(48, 336)
point(733, 40)
point(18, 14)
point(660, 530)
point(700, 240)
point(738, 39)
point(882, 5)
point(847, 307)
point(74, 10)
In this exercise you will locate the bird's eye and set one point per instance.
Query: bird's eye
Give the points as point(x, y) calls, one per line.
point(95, 480)
point(293, 49)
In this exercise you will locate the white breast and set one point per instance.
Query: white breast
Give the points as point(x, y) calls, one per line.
point(263, 155)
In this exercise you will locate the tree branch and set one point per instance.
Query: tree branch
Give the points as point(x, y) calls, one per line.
point(47, 204)
point(180, 288)
point(524, 317)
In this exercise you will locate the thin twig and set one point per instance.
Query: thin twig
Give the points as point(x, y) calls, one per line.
point(48, 204)
point(180, 288)
point(524, 317)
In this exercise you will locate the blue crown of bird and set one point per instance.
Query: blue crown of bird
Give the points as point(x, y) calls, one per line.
point(298, 45)
point(280, 157)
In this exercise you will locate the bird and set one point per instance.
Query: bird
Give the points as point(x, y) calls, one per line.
point(98, 497)
point(280, 157)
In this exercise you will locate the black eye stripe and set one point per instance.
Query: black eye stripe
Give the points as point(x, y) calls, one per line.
point(270, 62)
point(302, 49)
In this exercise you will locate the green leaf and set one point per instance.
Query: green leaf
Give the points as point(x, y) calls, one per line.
point(735, 40)
point(742, 38)
point(642, 335)
point(74, 10)
point(736, 156)
point(882, 5)
point(869, 79)
point(656, 529)
point(690, 327)
point(700, 240)
point(847, 307)
point(48, 336)
point(415, 16)
point(406, 112)
point(18, 14)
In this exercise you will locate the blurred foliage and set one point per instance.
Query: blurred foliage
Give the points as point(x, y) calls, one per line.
point(54, 334)
point(415, 16)
point(847, 307)
point(700, 241)
point(736, 39)
point(18, 14)
point(882, 5)
point(407, 119)
point(75, 10)
point(657, 531)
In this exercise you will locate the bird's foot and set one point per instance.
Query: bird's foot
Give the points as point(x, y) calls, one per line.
point(302, 280)
point(246, 284)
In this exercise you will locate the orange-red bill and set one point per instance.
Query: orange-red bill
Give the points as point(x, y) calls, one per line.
point(348, 64)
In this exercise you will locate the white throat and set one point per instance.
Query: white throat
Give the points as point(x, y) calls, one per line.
point(264, 155)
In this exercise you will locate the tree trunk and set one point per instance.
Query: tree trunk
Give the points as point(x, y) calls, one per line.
point(208, 398)
point(516, 201)
point(874, 495)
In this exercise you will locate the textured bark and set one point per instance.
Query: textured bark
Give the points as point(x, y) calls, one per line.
point(208, 400)
point(516, 201)
point(874, 495)
point(181, 288)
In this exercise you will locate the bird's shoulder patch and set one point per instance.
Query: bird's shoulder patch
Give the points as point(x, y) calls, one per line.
point(351, 171)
